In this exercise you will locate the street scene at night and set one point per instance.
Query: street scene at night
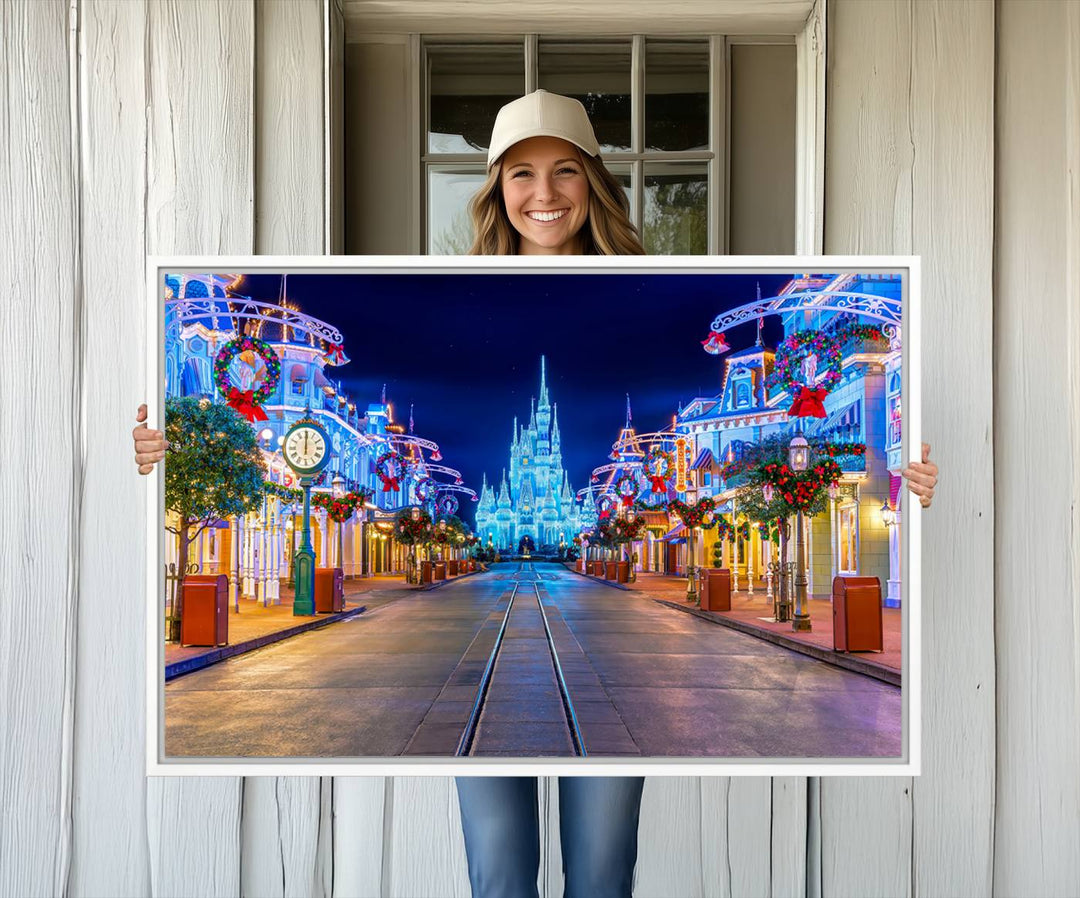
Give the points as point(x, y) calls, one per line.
point(495, 514)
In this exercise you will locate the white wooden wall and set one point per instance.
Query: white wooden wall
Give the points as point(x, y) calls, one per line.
point(185, 126)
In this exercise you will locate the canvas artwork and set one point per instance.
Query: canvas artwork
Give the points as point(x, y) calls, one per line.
point(588, 513)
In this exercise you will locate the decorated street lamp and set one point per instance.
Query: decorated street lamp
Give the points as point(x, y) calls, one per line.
point(307, 452)
point(888, 515)
point(799, 459)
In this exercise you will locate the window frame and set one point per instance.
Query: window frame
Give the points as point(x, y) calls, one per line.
point(810, 110)
point(716, 159)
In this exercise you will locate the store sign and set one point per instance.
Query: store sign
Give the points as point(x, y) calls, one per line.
point(682, 464)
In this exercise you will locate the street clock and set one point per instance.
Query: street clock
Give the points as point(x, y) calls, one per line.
point(307, 447)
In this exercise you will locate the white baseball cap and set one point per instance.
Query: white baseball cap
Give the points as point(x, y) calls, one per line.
point(541, 114)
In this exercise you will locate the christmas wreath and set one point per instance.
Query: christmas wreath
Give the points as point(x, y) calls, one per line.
point(605, 505)
point(448, 505)
point(627, 488)
point(247, 402)
point(389, 468)
point(425, 490)
point(828, 351)
point(657, 467)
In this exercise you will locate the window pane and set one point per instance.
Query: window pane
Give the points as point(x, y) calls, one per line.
point(624, 176)
point(449, 191)
point(676, 95)
point(466, 86)
point(597, 74)
point(676, 209)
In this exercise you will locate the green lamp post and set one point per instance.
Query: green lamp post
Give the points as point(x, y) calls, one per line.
point(307, 452)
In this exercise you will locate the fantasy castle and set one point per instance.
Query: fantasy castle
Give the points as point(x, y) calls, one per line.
point(537, 502)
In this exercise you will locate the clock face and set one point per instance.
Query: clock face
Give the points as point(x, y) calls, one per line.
point(305, 448)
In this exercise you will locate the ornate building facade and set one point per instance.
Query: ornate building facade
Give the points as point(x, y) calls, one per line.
point(536, 501)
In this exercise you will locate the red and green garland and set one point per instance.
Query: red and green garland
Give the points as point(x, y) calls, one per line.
point(340, 508)
point(801, 489)
point(285, 493)
point(658, 466)
point(693, 515)
point(389, 468)
point(247, 402)
point(411, 532)
point(787, 372)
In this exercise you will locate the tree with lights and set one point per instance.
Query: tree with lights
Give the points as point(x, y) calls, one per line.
point(213, 470)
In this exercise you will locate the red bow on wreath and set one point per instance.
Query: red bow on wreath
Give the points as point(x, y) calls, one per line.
point(627, 501)
point(659, 484)
point(245, 404)
point(807, 403)
point(390, 483)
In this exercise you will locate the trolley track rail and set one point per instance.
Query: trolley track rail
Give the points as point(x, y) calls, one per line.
point(467, 742)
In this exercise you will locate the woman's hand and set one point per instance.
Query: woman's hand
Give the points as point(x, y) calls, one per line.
point(150, 445)
point(922, 477)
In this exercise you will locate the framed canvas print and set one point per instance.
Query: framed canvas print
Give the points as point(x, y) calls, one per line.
point(502, 515)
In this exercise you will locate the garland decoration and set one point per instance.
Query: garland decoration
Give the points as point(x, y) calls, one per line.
point(801, 489)
point(726, 531)
point(411, 532)
point(247, 402)
point(340, 508)
point(658, 465)
point(448, 505)
point(694, 515)
point(627, 488)
point(827, 349)
point(285, 493)
point(389, 468)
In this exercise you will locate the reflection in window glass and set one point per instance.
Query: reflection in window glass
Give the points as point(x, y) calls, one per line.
point(597, 74)
point(676, 95)
point(467, 86)
point(623, 176)
point(449, 191)
point(676, 209)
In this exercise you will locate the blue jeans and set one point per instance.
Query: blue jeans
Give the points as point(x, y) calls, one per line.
point(598, 821)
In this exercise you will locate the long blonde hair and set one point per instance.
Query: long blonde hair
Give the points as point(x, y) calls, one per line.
point(608, 230)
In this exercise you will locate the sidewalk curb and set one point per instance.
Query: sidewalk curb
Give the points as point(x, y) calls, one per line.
point(603, 580)
point(221, 653)
point(836, 659)
point(453, 579)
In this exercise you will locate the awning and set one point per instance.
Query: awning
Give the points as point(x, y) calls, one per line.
point(320, 379)
point(298, 373)
point(654, 518)
point(704, 459)
point(672, 536)
point(848, 416)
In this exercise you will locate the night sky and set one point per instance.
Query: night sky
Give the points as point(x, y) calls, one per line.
point(465, 350)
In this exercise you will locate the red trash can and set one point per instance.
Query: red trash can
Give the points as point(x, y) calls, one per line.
point(857, 625)
point(425, 571)
point(452, 567)
point(329, 590)
point(440, 570)
point(716, 595)
point(206, 610)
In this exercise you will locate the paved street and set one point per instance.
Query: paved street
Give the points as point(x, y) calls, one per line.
point(643, 679)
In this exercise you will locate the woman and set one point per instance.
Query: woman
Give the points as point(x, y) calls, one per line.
point(548, 193)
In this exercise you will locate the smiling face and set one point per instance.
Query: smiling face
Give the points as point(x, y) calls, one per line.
point(546, 195)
